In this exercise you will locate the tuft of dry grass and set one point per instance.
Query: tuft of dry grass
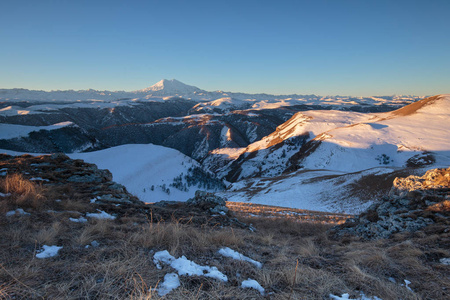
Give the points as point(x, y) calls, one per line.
point(48, 235)
point(24, 193)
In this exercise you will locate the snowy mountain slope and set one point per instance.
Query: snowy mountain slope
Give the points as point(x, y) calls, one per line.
point(320, 190)
point(270, 155)
point(151, 172)
point(386, 139)
point(169, 88)
point(345, 141)
point(217, 101)
point(62, 96)
point(60, 137)
point(351, 159)
point(10, 131)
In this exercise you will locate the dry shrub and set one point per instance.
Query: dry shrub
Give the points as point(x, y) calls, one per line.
point(24, 193)
point(48, 236)
point(407, 257)
point(16, 235)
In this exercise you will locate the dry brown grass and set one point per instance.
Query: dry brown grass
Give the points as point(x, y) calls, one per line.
point(49, 235)
point(121, 267)
point(24, 193)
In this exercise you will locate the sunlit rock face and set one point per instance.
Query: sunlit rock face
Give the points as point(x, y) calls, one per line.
point(415, 202)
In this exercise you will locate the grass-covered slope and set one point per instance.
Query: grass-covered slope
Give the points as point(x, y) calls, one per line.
point(109, 245)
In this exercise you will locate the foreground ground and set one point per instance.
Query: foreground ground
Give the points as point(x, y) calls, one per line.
point(111, 255)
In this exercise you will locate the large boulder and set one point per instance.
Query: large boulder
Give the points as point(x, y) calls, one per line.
point(208, 201)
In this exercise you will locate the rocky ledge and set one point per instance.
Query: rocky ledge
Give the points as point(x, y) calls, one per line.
point(66, 180)
point(413, 203)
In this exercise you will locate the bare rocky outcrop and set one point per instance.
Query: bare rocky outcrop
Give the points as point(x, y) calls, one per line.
point(413, 203)
point(208, 201)
point(74, 177)
point(203, 209)
point(92, 189)
point(436, 179)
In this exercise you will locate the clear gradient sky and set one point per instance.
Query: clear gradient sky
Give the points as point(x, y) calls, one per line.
point(345, 47)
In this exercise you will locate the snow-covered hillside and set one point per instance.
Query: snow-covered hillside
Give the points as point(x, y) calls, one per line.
point(388, 139)
point(152, 173)
point(10, 131)
point(319, 190)
point(315, 160)
point(346, 141)
point(282, 150)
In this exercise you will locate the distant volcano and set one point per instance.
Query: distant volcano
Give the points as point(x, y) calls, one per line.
point(171, 87)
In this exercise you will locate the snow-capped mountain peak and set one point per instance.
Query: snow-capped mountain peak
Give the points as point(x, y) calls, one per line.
point(171, 87)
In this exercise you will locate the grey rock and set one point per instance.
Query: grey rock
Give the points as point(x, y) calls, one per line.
point(85, 178)
point(165, 203)
point(406, 210)
point(219, 209)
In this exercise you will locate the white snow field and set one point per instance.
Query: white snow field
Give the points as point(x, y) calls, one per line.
point(349, 146)
point(145, 170)
point(391, 137)
point(10, 131)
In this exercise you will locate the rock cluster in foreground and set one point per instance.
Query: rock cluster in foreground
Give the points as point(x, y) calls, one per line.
point(94, 189)
point(413, 203)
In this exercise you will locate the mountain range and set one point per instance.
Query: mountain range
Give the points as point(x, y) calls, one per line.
point(268, 149)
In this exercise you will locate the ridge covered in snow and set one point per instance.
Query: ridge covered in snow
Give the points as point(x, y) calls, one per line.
point(315, 149)
point(211, 100)
point(170, 87)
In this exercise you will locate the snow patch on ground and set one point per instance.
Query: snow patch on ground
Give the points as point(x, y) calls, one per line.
point(228, 252)
point(101, 215)
point(18, 211)
point(346, 296)
point(79, 220)
point(185, 266)
point(48, 251)
point(252, 284)
point(171, 282)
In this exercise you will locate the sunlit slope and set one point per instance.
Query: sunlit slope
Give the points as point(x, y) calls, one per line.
point(349, 141)
point(388, 139)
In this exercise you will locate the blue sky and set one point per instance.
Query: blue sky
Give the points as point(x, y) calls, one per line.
point(307, 47)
